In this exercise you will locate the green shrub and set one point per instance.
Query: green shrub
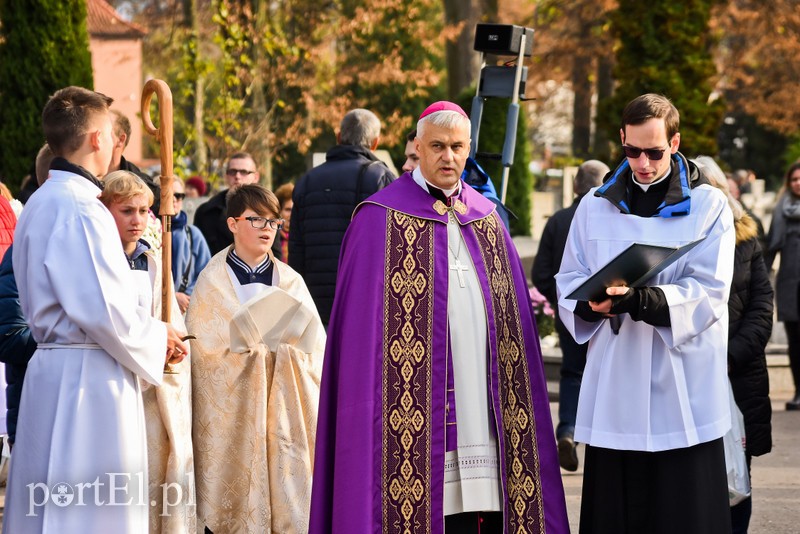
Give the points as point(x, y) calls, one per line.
point(490, 140)
point(44, 46)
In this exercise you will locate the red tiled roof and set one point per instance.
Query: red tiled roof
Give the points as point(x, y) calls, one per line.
point(104, 21)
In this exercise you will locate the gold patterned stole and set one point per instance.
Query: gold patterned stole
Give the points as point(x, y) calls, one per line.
point(523, 487)
point(406, 387)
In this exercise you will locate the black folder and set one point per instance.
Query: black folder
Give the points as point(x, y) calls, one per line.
point(633, 267)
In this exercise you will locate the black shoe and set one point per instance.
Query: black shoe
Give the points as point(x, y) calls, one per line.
point(793, 404)
point(567, 453)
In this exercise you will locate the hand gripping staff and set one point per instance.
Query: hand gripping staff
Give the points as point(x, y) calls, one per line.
point(163, 135)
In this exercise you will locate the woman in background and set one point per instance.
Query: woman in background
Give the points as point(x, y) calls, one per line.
point(750, 326)
point(784, 237)
point(284, 194)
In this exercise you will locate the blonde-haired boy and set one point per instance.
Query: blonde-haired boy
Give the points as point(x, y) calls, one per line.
point(168, 407)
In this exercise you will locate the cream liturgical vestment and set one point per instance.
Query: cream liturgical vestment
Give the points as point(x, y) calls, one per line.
point(256, 367)
point(168, 417)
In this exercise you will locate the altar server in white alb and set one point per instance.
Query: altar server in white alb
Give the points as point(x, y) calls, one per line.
point(80, 457)
point(653, 403)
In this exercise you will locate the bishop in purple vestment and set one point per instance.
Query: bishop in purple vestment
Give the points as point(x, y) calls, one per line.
point(393, 450)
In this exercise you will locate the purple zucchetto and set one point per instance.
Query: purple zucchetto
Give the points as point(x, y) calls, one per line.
point(443, 105)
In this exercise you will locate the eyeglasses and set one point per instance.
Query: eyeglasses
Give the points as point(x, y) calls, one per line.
point(243, 172)
point(259, 223)
point(634, 152)
point(179, 196)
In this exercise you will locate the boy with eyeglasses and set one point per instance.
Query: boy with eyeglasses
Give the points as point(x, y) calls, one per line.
point(653, 404)
point(211, 216)
point(256, 366)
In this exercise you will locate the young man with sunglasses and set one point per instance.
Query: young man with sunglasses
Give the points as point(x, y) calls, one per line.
point(654, 398)
point(211, 216)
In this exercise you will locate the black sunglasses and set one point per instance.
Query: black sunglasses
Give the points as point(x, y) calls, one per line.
point(179, 196)
point(243, 172)
point(634, 152)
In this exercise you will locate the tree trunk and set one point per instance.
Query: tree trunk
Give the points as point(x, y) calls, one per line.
point(605, 88)
point(200, 149)
point(582, 105)
point(462, 60)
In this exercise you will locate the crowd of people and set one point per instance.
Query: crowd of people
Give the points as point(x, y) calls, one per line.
point(358, 351)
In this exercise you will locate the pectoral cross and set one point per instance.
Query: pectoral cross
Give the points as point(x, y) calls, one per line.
point(459, 268)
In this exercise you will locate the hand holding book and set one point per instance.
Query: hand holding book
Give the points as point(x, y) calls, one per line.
point(633, 267)
point(618, 301)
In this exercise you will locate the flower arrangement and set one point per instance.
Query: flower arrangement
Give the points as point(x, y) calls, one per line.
point(152, 234)
point(544, 313)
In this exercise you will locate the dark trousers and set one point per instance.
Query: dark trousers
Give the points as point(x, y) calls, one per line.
point(573, 360)
point(474, 523)
point(793, 340)
point(740, 514)
point(680, 490)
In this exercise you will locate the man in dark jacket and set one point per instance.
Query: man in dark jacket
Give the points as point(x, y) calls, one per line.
point(545, 266)
point(122, 135)
point(211, 217)
point(324, 200)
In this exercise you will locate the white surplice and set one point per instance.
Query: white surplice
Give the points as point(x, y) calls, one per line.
point(654, 388)
point(81, 435)
point(471, 473)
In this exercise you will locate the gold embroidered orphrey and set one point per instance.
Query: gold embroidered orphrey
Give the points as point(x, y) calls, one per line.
point(523, 480)
point(408, 330)
point(408, 324)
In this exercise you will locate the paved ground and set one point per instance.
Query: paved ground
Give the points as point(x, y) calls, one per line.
point(776, 477)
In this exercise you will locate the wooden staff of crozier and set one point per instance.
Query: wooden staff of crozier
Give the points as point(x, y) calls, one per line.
point(163, 135)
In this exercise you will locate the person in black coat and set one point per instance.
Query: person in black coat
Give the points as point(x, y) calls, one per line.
point(545, 266)
point(324, 200)
point(750, 325)
point(16, 342)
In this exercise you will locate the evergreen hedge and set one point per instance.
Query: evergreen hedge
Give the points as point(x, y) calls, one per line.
point(490, 140)
point(44, 46)
point(665, 47)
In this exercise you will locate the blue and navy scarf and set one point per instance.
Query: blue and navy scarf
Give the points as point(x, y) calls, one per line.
point(684, 176)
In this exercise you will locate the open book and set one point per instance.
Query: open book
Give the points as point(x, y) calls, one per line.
point(633, 267)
